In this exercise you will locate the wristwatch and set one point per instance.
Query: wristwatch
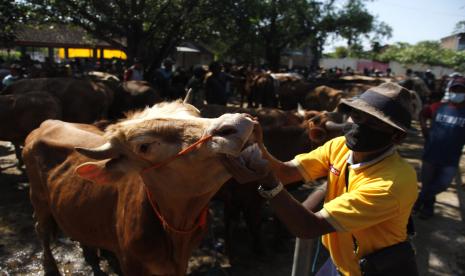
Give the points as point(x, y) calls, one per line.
point(269, 194)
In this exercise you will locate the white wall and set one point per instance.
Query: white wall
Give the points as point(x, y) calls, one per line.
point(400, 69)
point(339, 62)
point(396, 67)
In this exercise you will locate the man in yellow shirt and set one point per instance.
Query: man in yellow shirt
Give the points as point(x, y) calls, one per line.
point(370, 192)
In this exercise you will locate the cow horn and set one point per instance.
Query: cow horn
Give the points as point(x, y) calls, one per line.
point(105, 151)
point(332, 126)
point(188, 98)
point(300, 110)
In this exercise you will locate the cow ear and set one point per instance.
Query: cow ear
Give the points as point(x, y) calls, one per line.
point(94, 171)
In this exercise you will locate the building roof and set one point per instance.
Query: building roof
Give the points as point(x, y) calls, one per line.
point(195, 46)
point(57, 36)
point(453, 35)
point(67, 36)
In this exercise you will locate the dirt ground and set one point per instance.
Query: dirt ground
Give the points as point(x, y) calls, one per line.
point(440, 241)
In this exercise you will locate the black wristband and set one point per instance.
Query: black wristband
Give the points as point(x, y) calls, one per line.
point(269, 182)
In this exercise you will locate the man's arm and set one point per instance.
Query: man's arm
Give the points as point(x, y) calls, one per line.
point(286, 172)
point(314, 200)
point(425, 115)
point(298, 217)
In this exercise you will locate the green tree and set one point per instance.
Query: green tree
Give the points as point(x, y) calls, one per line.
point(10, 18)
point(353, 21)
point(460, 27)
point(426, 52)
point(233, 30)
point(341, 52)
point(264, 28)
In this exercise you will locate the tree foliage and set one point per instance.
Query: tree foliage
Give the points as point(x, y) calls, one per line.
point(265, 28)
point(354, 20)
point(460, 27)
point(426, 52)
point(10, 15)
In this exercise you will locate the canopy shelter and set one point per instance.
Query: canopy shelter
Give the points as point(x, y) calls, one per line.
point(71, 42)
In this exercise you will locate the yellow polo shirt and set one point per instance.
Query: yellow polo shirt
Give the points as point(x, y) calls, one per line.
point(376, 207)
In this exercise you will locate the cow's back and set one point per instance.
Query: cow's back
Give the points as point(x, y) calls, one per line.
point(82, 101)
point(20, 114)
point(130, 96)
point(81, 209)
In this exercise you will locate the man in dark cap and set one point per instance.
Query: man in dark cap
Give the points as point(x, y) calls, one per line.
point(370, 188)
point(215, 85)
point(15, 74)
point(163, 79)
point(445, 138)
point(135, 72)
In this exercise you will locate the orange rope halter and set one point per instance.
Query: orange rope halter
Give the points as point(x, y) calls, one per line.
point(202, 219)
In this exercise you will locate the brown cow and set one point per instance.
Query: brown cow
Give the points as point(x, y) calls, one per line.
point(261, 90)
point(102, 76)
point(323, 98)
point(140, 198)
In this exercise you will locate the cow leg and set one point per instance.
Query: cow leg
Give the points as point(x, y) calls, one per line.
point(228, 228)
point(18, 154)
point(130, 266)
point(112, 261)
point(91, 258)
point(252, 216)
point(45, 227)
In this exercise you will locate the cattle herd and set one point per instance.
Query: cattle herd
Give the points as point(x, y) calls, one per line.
point(116, 168)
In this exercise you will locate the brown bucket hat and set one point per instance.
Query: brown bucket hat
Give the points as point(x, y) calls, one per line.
point(389, 102)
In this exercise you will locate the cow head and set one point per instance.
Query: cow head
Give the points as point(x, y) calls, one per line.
point(153, 136)
point(323, 126)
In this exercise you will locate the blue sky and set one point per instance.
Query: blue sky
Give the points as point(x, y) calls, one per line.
point(416, 20)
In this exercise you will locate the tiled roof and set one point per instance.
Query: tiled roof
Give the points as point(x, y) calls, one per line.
point(56, 35)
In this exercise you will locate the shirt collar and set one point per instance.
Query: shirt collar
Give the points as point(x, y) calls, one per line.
point(350, 159)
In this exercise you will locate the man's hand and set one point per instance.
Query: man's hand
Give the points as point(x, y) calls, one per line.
point(249, 166)
point(258, 133)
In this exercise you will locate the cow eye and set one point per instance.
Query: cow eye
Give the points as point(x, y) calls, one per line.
point(144, 148)
point(226, 131)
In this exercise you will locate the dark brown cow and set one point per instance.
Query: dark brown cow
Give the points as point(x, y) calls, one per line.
point(138, 198)
point(130, 96)
point(28, 102)
point(66, 99)
point(20, 114)
point(82, 101)
point(292, 93)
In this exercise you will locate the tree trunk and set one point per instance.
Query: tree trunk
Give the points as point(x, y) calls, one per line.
point(317, 50)
point(273, 57)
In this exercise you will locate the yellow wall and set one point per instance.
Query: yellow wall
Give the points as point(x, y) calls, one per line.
point(88, 53)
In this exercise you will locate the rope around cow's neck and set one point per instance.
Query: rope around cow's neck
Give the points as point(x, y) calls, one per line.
point(202, 219)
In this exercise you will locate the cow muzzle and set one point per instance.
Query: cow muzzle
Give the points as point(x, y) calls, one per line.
point(230, 133)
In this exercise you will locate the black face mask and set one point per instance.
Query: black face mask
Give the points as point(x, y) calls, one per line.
point(362, 138)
